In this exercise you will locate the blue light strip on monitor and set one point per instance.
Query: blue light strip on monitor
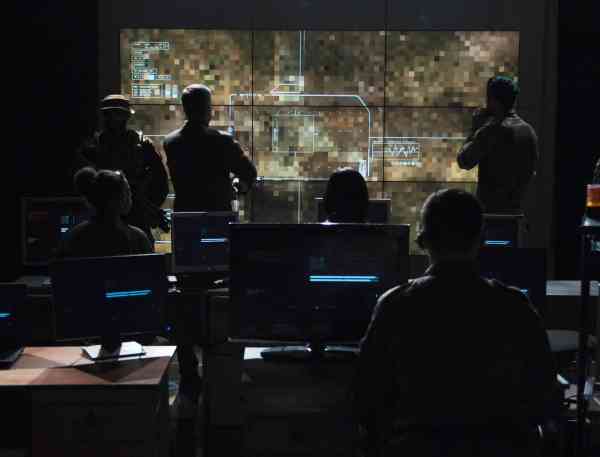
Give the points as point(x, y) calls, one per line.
point(497, 243)
point(344, 278)
point(213, 240)
point(129, 293)
point(5, 315)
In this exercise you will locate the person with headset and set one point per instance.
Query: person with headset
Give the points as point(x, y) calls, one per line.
point(437, 373)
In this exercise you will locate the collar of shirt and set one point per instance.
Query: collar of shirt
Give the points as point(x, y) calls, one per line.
point(453, 268)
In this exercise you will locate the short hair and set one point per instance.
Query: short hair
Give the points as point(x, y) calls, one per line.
point(503, 89)
point(452, 220)
point(196, 99)
point(346, 198)
point(102, 188)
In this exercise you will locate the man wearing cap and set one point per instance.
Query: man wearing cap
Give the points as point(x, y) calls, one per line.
point(201, 159)
point(504, 146)
point(116, 147)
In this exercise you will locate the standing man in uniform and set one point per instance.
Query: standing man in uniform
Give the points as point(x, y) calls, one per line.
point(504, 146)
point(200, 159)
point(116, 147)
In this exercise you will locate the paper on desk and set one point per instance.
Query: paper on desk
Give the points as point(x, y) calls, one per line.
point(126, 349)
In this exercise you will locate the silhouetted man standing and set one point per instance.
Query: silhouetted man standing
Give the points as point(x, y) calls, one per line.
point(504, 146)
point(200, 159)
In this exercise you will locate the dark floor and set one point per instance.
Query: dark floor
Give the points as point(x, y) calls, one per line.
point(188, 431)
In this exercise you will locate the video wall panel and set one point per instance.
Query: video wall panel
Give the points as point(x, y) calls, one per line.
point(395, 105)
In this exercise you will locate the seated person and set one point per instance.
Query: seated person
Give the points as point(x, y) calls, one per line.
point(108, 193)
point(452, 363)
point(346, 198)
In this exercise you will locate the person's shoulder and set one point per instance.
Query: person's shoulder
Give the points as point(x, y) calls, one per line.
point(172, 136)
point(509, 296)
point(405, 291)
point(221, 135)
point(137, 232)
point(141, 244)
point(80, 228)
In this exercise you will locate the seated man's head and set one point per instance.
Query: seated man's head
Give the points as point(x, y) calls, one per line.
point(451, 224)
point(107, 191)
point(346, 198)
point(197, 105)
point(502, 93)
point(116, 111)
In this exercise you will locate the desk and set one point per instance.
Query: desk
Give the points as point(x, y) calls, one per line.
point(281, 408)
point(78, 407)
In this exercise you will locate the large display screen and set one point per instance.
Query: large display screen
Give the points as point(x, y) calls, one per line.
point(395, 105)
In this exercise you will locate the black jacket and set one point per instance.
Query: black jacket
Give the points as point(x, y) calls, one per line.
point(200, 161)
point(142, 165)
point(452, 349)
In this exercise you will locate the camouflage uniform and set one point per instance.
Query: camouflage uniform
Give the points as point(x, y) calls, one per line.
point(143, 167)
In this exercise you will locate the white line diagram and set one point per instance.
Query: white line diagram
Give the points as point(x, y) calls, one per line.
point(302, 128)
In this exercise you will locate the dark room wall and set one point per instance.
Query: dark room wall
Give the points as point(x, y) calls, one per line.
point(58, 94)
point(57, 66)
point(577, 120)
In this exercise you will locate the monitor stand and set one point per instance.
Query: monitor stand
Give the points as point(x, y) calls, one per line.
point(113, 351)
point(314, 351)
point(8, 357)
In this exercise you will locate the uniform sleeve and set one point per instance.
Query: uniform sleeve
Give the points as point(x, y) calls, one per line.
point(171, 162)
point(241, 165)
point(159, 186)
point(83, 157)
point(475, 148)
point(529, 157)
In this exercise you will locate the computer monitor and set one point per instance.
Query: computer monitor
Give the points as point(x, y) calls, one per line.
point(315, 283)
point(12, 299)
point(45, 223)
point(503, 230)
point(378, 211)
point(524, 268)
point(109, 297)
point(201, 241)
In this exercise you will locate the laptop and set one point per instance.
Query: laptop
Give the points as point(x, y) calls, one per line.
point(12, 299)
point(200, 252)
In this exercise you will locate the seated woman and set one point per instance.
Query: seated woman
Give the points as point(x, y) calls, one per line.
point(346, 198)
point(108, 193)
